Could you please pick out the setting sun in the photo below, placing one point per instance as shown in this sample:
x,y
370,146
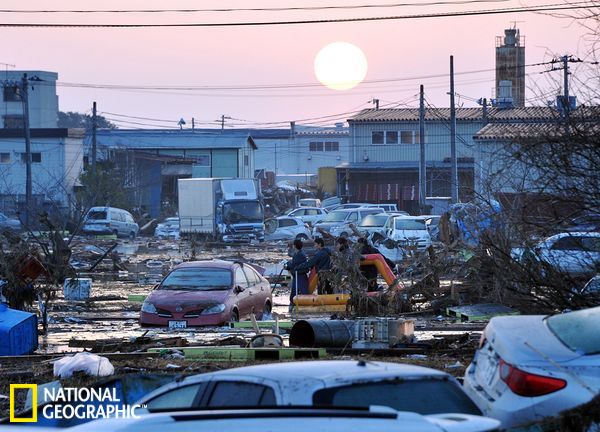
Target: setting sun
x,y
340,66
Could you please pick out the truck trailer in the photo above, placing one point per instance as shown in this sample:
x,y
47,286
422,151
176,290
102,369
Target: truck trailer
x,y
225,209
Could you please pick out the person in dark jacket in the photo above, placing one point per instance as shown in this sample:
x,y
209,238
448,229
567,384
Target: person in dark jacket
x,y
299,277
321,261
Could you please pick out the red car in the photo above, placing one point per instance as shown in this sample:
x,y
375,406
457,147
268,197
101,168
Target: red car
x,y
205,293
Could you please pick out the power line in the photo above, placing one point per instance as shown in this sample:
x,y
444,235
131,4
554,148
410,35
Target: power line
x,y
540,8
272,9
269,86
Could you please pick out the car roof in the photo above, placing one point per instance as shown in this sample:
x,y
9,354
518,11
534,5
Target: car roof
x,y
306,208
328,370
574,234
213,263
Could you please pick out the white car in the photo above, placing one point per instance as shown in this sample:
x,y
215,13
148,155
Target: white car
x,y
574,253
169,228
286,228
374,223
409,231
309,215
338,222
288,419
340,383
309,202
533,366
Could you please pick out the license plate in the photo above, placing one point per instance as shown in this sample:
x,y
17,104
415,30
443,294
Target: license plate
x,y
486,369
177,324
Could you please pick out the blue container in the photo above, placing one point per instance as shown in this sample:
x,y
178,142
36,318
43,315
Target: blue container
x,y
18,332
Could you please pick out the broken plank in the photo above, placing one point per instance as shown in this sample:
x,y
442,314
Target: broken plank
x,y
480,312
261,324
247,354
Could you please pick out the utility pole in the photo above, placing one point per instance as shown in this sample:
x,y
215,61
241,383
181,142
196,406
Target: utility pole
x,y
193,124
453,167
94,128
422,168
28,193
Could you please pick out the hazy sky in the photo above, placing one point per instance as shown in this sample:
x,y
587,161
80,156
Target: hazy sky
x,y
245,56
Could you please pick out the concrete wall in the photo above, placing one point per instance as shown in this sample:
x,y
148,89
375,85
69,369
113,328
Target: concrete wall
x,y
43,101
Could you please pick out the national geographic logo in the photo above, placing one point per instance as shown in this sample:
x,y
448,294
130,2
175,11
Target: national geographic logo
x,y
34,393
66,403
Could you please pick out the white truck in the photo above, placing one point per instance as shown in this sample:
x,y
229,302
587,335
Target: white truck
x,y
227,209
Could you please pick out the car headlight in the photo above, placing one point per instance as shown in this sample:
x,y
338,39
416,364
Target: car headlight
x,y
149,308
218,308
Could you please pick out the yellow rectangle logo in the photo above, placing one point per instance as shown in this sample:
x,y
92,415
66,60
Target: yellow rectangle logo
x,y
34,395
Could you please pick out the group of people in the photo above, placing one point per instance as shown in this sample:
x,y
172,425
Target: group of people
x,y
299,266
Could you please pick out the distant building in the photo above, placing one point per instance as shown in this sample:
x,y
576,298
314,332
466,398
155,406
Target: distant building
x,y
510,68
300,150
43,101
152,160
56,163
384,152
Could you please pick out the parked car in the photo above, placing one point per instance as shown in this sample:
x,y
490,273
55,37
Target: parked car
x,y
339,383
330,203
288,419
433,225
534,366
169,228
286,228
110,220
385,207
309,215
374,223
309,202
339,224
199,293
409,231
574,253
589,222
7,223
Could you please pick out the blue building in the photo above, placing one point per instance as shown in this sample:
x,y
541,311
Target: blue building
x,y
152,161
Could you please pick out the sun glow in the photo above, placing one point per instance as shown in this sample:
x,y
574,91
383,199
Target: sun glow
x,y
340,66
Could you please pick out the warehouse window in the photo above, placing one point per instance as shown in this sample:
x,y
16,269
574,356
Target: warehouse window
x,y
391,137
35,157
377,137
13,121
332,146
315,146
11,93
406,137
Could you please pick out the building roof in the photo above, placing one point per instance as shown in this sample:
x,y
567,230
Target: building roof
x,y
169,139
43,133
546,129
462,114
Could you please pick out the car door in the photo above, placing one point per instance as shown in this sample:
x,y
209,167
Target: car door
x,y
258,290
300,213
567,254
242,294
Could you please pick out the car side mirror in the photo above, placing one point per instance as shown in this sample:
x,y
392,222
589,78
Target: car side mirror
x,y
238,289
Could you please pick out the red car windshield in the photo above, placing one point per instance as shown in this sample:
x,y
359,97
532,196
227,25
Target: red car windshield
x,y
197,279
